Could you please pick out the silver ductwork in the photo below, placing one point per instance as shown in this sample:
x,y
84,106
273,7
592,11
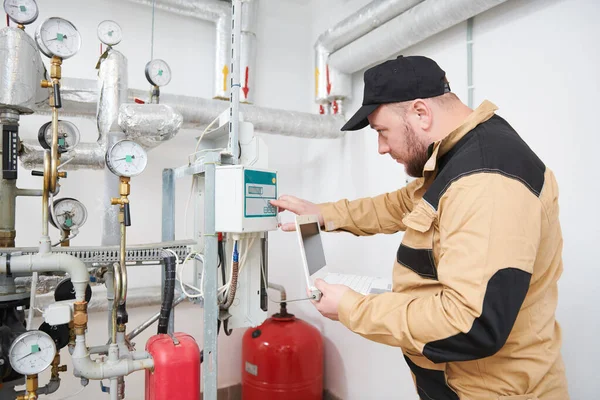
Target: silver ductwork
x,y
79,98
419,23
198,112
331,83
84,156
21,72
149,124
113,92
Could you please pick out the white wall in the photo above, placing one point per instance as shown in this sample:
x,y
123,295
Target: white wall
x,y
537,60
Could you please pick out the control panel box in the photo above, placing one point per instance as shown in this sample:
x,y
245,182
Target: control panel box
x,y
242,197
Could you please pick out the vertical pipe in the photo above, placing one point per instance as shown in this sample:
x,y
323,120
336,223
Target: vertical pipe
x,y
470,62
211,309
234,104
8,190
168,226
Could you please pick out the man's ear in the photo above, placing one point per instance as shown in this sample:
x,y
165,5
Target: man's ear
x,y
422,114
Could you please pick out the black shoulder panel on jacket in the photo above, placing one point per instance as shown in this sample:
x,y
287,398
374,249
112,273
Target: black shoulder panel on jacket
x,y
491,147
504,296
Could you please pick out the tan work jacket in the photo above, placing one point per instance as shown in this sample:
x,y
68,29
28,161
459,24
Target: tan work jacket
x,y
475,278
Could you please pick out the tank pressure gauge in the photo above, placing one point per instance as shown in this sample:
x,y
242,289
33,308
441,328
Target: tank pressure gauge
x,y
32,352
68,214
158,72
58,37
109,33
68,136
22,12
126,158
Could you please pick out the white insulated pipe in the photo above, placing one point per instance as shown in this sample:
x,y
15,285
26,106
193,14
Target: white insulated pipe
x,y
85,367
409,28
49,262
234,103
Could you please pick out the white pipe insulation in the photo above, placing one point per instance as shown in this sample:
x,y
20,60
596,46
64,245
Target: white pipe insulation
x,y
331,83
49,262
411,27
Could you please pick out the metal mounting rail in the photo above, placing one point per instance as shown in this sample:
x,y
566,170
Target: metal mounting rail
x,y
137,254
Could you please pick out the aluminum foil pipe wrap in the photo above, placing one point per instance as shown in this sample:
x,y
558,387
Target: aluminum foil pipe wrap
x,y
79,98
409,28
149,124
21,71
331,83
113,92
111,228
222,83
198,112
84,156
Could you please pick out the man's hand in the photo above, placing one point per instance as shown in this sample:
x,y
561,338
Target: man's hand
x,y
330,298
298,207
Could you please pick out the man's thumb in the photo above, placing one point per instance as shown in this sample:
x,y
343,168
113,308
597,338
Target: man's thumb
x,y
321,285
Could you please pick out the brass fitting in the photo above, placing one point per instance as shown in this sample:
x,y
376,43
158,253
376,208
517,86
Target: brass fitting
x,y
7,238
123,191
55,70
32,387
56,367
80,317
121,328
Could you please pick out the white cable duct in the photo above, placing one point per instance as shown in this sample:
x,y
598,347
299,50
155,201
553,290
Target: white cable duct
x,y
419,23
331,84
215,11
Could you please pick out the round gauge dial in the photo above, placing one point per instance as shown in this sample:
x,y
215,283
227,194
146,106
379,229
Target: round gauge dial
x,y
126,158
158,72
68,136
109,33
68,214
58,37
32,352
21,11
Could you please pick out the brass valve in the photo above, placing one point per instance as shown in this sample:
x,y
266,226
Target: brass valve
x,y
123,201
56,367
80,317
32,387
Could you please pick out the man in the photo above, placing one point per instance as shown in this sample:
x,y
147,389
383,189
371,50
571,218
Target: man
x,y
475,278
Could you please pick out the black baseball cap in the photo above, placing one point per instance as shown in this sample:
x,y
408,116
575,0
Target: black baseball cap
x,y
395,81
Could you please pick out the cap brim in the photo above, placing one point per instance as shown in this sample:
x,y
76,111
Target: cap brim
x,y
359,120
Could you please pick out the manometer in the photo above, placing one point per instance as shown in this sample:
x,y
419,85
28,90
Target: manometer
x,y
58,37
158,72
109,33
68,214
126,158
32,352
68,136
21,11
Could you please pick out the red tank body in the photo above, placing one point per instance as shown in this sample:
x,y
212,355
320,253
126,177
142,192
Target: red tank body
x,y
176,372
282,359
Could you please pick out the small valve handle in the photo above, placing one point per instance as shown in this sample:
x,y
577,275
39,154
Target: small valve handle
x,y
37,173
126,215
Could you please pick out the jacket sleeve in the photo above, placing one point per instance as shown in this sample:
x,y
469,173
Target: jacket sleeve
x,y
371,215
489,234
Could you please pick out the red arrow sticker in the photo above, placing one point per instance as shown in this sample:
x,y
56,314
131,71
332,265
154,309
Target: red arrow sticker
x,y
246,89
328,82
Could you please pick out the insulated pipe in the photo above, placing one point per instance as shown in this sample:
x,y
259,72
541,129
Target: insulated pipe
x,y
168,295
330,83
418,23
49,262
280,289
85,367
234,103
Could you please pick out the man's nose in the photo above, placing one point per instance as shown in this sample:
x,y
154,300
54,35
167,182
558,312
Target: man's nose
x,y
383,148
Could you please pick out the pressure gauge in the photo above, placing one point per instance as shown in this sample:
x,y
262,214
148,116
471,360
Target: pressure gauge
x,y
58,37
109,33
32,352
68,136
21,11
158,72
126,158
68,214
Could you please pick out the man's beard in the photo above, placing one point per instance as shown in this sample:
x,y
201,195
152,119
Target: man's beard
x,y
417,152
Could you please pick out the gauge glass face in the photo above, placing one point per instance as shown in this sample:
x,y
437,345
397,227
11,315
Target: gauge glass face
x,y
158,72
127,158
32,352
58,37
69,213
109,33
68,135
21,11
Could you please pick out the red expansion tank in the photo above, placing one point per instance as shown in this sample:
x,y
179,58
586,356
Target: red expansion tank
x,y
176,372
282,359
